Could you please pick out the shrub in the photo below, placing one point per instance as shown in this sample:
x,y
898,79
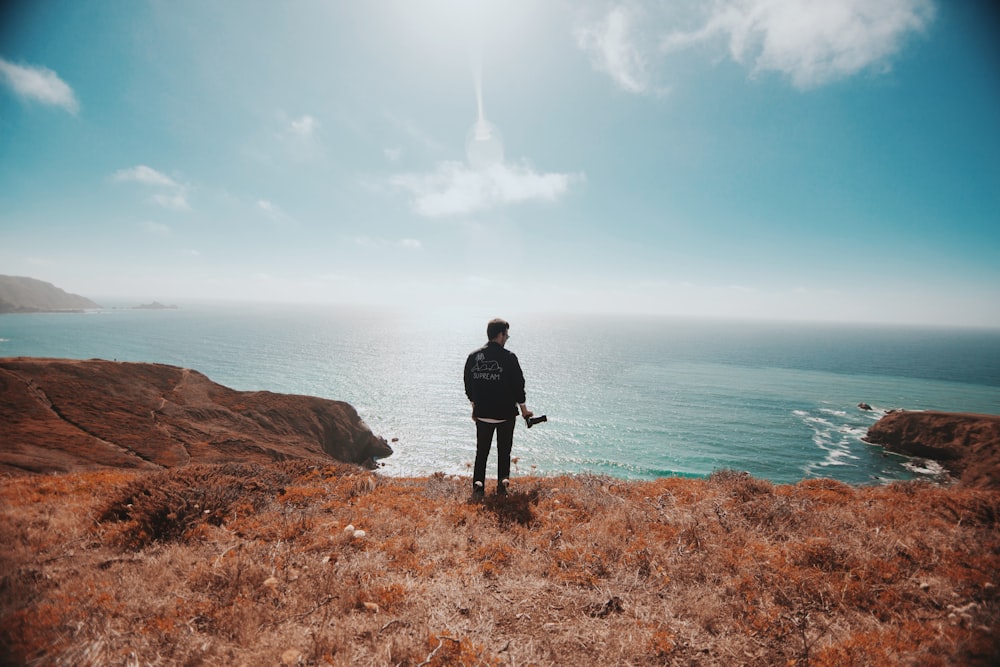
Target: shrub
x,y
576,570
165,506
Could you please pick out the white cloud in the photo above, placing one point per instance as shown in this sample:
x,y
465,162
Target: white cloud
x,y
172,195
456,189
39,84
176,201
611,45
300,137
273,211
414,132
304,127
145,175
376,242
154,227
811,41
393,154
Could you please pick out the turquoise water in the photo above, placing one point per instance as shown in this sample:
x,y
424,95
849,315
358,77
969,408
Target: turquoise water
x,y
628,397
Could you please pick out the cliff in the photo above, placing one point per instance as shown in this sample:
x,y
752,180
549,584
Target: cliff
x,y
59,415
28,295
967,445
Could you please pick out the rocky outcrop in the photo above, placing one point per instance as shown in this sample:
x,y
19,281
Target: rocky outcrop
x,y
59,415
28,295
155,305
967,445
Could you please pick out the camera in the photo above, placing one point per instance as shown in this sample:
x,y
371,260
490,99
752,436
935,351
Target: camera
x,y
535,420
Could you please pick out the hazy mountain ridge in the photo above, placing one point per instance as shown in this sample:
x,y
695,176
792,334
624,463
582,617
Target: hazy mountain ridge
x,y
20,294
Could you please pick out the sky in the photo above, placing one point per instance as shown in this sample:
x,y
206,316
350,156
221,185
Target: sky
x,y
829,160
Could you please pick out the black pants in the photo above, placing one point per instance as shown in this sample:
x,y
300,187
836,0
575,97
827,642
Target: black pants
x,y
505,442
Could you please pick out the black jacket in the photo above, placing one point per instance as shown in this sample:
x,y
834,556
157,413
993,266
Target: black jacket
x,y
494,382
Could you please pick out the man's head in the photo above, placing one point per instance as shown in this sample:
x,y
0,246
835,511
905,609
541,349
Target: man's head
x,y
497,329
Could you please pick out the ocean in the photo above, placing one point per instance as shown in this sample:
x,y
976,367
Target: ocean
x,y
629,397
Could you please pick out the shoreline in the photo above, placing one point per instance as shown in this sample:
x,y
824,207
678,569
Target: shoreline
x,y
149,401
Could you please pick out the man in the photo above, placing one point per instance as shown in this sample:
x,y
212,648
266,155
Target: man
x,y
494,384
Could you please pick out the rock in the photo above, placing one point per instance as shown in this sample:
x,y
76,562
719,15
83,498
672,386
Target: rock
x,y
864,406
62,415
967,445
612,606
156,305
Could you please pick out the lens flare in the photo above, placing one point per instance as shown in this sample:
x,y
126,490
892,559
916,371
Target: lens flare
x,y
483,145
483,142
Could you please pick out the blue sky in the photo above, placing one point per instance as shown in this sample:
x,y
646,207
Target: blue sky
x,y
780,159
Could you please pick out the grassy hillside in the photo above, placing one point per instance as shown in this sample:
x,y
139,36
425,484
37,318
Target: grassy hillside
x,y
252,565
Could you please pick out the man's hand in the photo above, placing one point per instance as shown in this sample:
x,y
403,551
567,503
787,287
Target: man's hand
x,y
526,413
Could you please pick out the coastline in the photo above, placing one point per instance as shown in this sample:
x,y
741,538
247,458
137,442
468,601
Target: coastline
x,y
967,445
261,556
76,403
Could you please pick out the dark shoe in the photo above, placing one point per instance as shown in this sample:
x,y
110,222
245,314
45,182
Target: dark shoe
x,y
478,491
502,487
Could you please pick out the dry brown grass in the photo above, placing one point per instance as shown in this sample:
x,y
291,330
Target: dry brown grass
x,y
251,565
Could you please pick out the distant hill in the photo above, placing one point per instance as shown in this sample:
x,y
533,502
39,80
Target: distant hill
x,y
28,295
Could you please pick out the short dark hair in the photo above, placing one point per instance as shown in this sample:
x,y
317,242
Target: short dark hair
x,y
496,326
